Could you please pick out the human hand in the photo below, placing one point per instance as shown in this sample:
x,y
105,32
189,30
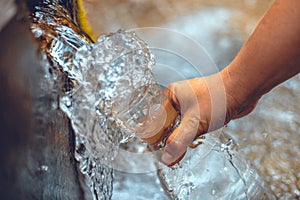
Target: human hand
x,y
205,104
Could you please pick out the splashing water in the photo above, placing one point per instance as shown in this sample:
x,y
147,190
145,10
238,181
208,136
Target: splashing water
x,y
213,170
115,93
59,37
107,89
104,88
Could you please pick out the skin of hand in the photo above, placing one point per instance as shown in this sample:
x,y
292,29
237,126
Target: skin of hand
x,y
195,99
270,56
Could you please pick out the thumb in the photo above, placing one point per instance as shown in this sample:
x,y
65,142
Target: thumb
x,y
180,139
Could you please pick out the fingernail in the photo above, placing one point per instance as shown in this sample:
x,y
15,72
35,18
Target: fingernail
x,y
167,158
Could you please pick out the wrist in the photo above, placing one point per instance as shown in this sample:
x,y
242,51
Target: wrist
x,y
241,95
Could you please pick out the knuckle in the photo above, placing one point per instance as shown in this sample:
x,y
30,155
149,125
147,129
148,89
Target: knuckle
x,y
176,147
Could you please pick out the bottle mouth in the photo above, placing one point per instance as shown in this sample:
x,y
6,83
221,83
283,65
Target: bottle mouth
x,y
148,114
161,125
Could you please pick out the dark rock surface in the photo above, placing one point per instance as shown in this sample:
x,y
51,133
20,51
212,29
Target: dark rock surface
x,y
37,141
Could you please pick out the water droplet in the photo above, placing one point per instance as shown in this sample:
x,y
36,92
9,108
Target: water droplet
x,y
265,134
213,192
43,168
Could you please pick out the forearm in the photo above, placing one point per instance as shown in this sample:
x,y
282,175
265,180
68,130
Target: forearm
x,y
270,56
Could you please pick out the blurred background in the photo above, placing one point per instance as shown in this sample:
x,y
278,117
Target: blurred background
x,y
269,137
214,24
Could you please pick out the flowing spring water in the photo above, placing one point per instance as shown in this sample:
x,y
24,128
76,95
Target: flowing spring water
x,y
113,94
95,82
59,37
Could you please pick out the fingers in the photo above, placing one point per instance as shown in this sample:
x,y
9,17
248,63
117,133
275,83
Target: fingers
x,y
183,98
169,92
188,98
180,139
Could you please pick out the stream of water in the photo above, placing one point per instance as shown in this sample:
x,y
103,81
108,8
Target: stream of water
x,y
60,38
103,87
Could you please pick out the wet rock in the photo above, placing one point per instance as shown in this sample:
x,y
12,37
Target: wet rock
x,y
37,141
